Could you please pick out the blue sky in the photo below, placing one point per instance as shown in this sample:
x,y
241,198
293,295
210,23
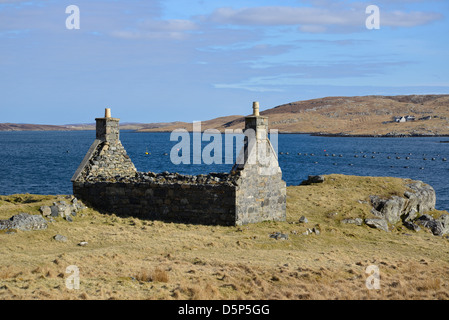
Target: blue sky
x,y
179,60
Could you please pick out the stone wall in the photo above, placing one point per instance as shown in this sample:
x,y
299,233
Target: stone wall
x,y
252,192
260,197
109,160
168,197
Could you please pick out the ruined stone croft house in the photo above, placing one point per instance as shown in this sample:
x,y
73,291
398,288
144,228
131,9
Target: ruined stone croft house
x,y
252,192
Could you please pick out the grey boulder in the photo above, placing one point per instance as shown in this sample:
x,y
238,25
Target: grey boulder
x,y
378,224
24,222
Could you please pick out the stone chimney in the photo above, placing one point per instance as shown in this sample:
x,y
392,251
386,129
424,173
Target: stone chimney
x,y
256,144
262,192
106,156
257,123
108,127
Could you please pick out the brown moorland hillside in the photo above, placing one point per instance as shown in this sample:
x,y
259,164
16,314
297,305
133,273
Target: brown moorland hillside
x,y
352,116
217,123
30,127
365,115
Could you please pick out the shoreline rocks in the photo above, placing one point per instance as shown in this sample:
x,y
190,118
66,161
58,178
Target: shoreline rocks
x,y
411,210
378,224
63,209
439,226
420,199
312,179
25,222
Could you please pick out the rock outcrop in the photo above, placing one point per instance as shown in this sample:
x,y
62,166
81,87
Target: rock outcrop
x,y
411,209
439,226
378,224
313,179
24,222
27,222
419,199
62,209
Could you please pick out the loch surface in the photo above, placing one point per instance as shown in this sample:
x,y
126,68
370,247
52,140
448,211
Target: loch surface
x,y
42,162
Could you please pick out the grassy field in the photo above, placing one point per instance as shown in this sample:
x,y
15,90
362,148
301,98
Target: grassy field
x,y
128,258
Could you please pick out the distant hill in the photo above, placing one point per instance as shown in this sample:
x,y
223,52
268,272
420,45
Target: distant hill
x,y
366,115
217,123
30,127
73,127
353,116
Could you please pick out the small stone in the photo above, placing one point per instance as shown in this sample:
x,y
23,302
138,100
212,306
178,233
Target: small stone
x,y
275,278
54,211
356,221
60,238
425,217
412,226
64,211
444,219
69,218
45,210
279,236
438,229
283,236
303,220
411,215
313,179
427,221
83,243
332,214
377,223
316,231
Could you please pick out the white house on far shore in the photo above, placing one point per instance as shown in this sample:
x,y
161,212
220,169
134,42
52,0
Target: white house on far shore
x,y
404,118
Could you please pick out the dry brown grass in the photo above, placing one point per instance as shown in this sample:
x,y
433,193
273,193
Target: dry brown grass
x,y
156,275
128,258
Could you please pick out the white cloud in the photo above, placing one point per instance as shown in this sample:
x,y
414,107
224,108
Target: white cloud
x,y
149,35
174,25
158,29
316,19
11,1
312,28
408,19
247,87
277,15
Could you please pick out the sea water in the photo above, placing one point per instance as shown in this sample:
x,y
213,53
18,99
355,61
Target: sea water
x,y
43,162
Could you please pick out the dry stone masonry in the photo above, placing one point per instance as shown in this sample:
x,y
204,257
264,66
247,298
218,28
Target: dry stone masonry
x,y
252,192
106,157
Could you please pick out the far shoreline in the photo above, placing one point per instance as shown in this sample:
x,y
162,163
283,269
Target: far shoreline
x,y
333,135
314,134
